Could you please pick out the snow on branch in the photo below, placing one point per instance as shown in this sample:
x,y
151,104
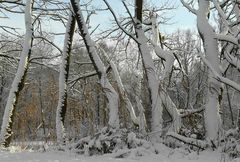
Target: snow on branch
x,y
219,77
188,7
158,50
75,80
118,23
50,42
227,38
221,13
232,60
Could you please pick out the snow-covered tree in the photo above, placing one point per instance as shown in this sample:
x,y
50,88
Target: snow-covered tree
x,y
111,94
213,55
121,88
63,79
157,93
206,32
150,70
18,82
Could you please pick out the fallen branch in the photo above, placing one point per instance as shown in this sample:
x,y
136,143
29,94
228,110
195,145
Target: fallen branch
x,y
186,113
190,141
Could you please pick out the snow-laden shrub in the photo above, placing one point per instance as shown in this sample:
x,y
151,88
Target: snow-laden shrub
x,y
193,126
195,133
120,142
230,144
105,141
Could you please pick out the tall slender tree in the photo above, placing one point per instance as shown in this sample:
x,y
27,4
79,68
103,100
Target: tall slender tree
x,y
214,95
18,82
206,32
63,78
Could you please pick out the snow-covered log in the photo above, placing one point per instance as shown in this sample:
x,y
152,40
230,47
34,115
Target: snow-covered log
x,y
63,78
184,113
18,82
112,95
194,142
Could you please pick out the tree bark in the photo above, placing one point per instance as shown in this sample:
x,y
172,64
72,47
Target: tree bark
x,y
63,78
18,82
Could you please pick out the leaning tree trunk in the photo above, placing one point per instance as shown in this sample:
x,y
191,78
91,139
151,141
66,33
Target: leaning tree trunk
x,y
112,95
63,78
152,80
121,88
18,82
212,117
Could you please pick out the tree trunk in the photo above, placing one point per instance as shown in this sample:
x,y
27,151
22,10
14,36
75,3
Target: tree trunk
x,y
42,109
212,117
121,88
169,58
150,70
18,82
112,96
63,78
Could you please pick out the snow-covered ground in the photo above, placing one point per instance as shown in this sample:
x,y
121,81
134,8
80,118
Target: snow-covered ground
x,y
167,155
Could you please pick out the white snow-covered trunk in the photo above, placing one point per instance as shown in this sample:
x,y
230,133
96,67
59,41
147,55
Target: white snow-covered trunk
x,y
172,110
168,63
112,95
141,116
63,78
212,117
122,90
166,99
18,82
152,80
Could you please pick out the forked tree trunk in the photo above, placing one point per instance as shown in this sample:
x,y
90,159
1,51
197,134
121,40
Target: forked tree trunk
x,y
111,94
63,78
212,117
18,82
169,58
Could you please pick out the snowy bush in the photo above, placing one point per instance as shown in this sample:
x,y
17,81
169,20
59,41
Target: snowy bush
x,y
105,141
120,142
230,144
